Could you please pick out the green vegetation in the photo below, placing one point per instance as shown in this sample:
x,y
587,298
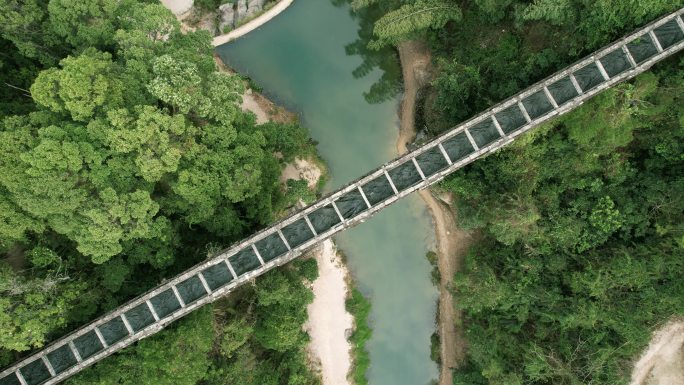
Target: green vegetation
x,y
359,307
252,337
581,220
433,259
582,259
124,158
406,19
435,346
176,355
497,49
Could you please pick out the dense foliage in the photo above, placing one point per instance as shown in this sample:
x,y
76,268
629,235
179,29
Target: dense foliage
x,y
501,47
382,59
359,307
125,158
404,19
581,249
253,337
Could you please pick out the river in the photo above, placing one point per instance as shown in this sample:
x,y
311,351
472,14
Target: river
x,y
299,60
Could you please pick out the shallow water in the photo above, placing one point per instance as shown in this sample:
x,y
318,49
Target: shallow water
x,y
299,59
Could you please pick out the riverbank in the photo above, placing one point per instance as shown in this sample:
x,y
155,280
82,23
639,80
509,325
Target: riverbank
x,y
452,242
314,74
262,107
329,322
183,10
252,24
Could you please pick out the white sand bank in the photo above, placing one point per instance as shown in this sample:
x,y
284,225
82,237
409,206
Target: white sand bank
x,y
328,317
302,169
249,103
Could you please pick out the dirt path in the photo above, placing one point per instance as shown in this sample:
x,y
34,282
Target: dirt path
x,y
663,361
452,243
415,67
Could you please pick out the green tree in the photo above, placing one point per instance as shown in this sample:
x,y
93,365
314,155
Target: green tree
x,y
33,306
412,18
554,301
456,89
85,85
128,156
86,23
176,355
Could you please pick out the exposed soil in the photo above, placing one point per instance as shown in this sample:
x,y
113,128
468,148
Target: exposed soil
x,y
452,242
267,108
302,169
415,66
255,102
178,7
249,103
663,361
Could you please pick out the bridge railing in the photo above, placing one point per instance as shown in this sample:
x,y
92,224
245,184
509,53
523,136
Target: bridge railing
x,y
351,204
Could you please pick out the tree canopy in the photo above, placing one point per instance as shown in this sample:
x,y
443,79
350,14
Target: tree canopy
x,y
124,155
579,246
582,249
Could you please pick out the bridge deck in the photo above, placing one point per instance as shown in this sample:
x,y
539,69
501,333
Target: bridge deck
x,y
287,239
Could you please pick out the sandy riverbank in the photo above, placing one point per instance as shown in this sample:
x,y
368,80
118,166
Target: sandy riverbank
x,y
329,320
328,317
255,102
452,242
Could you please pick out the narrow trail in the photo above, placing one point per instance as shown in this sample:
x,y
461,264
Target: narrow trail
x,y
452,242
662,363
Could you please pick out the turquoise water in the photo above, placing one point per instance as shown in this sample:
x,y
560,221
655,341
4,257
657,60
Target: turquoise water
x,y
299,59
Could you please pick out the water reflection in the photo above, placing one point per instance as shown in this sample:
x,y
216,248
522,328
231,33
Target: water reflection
x,y
389,85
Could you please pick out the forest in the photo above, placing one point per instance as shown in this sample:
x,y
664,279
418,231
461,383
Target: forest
x,y
581,247
125,159
580,242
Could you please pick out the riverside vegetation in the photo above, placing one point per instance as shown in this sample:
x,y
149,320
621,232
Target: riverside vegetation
x,y
581,244
359,307
125,159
